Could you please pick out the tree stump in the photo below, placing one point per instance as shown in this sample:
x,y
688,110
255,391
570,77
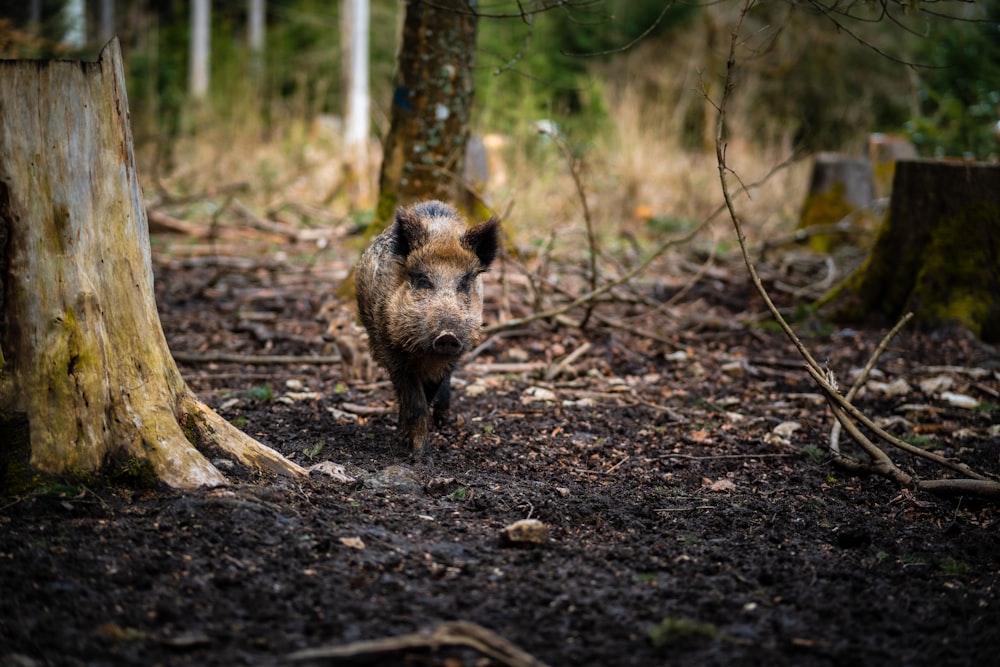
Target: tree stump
x,y
83,359
884,151
937,254
841,191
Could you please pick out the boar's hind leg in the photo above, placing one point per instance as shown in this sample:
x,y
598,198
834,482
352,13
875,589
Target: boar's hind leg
x,y
439,397
414,414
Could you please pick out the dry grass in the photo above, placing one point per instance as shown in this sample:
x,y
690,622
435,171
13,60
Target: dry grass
x,y
634,171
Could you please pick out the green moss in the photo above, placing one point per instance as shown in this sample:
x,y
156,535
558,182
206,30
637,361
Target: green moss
x,y
825,208
189,427
672,630
134,472
16,474
951,278
959,278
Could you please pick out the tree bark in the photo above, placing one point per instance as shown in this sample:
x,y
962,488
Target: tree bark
x,y
83,358
200,49
356,22
937,253
432,99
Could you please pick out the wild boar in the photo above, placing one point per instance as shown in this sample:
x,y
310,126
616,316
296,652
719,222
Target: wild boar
x,y
420,296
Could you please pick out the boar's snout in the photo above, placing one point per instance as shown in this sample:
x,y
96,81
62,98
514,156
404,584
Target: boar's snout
x,y
448,343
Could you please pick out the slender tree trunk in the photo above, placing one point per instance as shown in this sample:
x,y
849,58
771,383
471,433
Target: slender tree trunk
x,y
358,103
106,29
83,359
198,67
255,37
431,103
75,21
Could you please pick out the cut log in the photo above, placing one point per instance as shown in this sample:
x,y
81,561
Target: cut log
x,y
84,362
937,254
841,191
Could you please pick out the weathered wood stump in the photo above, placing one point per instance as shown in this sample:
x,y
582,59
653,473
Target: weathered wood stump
x,y
841,190
84,365
937,253
884,151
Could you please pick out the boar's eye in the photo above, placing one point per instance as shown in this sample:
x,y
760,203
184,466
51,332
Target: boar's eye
x,y
420,280
465,284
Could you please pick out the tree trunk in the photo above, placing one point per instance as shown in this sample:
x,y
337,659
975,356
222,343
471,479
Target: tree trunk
x,y
937,254
83,359
432,99
354,30
201,40
256,25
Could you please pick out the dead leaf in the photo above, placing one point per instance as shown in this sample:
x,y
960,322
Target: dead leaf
x,y
353,542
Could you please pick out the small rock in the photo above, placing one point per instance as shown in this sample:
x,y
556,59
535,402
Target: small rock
x,y
538,394
398,478
441,486
936,384
525,532
342,415
294,385
477,388
331,469
585,402
353,542
719,485
733,368
898,387
786,429
959,400
228,403
302,395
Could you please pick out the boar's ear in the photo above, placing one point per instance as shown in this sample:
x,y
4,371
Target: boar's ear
x,y
410,233
483,240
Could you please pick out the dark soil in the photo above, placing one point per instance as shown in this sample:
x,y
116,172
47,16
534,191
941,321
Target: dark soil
x,y
684,527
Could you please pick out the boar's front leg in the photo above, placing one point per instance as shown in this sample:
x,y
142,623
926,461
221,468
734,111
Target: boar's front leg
x,y
414,413
439,396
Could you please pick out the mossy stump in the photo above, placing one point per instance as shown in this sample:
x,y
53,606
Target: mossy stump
x,y
841,190
937,253
86,378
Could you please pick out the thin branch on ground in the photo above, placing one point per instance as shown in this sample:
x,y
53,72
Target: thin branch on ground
x,y
452,633
863,377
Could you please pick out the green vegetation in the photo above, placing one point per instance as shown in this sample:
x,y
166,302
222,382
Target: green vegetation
x,y
569,64
314,452
264,393
814,453
959,91
672,630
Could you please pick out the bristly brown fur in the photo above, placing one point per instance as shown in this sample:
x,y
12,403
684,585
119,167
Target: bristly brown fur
x,y
420,297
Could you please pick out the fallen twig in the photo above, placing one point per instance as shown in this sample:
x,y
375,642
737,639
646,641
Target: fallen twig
x,y
251,359
452,633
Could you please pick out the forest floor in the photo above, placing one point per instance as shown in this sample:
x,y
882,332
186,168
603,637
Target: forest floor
x,y
678,463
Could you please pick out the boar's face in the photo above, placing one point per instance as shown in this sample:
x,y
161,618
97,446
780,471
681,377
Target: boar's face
x,y
437,307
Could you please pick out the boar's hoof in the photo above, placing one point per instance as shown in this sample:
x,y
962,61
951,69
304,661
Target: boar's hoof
x,y
448,343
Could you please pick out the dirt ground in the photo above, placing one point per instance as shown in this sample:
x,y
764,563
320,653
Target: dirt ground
x,y
677,463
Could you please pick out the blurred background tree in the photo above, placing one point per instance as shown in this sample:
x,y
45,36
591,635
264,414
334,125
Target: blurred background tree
x,y
817,76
